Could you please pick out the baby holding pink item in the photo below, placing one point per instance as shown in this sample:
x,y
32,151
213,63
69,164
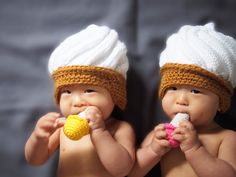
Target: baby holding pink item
x,y
197,69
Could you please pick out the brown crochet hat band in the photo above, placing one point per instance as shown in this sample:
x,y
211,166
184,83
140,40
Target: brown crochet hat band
x,y
184,74
109,79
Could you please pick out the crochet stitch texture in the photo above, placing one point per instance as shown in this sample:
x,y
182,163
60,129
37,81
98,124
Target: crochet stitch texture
x,y
75,127
184,74
111,80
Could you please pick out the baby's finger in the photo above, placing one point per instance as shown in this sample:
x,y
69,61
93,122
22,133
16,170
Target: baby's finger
x,y
93,117
165,143
91,110
160,135
53,114
50,117
179,137
186,124
41,133
47,124
59,122
159,127
179,130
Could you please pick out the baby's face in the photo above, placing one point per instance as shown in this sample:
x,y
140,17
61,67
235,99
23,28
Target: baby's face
x,y
75,99
200,104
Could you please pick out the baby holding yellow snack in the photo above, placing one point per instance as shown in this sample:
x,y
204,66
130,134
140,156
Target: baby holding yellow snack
x,y
89,73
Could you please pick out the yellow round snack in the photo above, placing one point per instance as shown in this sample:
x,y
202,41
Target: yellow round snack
x,y
75,127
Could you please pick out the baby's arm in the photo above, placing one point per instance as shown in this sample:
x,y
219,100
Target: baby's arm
x,y
196,153
116,152
44,139
154,146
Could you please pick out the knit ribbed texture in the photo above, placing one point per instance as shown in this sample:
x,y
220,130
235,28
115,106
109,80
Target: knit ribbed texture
x,y
92,46
109,79
184,74
75,127
202,46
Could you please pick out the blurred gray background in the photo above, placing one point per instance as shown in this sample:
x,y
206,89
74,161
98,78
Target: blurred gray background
x,y
31,29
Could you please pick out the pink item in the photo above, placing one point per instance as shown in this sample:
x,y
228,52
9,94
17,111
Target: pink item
x,y
169,129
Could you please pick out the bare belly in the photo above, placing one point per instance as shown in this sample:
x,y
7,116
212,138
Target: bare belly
x,y
79,158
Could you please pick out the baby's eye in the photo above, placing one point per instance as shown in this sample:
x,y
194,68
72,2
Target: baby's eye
x,y
66,91
89,91
172,88
195,91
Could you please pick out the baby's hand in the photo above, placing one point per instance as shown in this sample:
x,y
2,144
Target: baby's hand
x,y
170,127
48,124
186,134
160,144
94,117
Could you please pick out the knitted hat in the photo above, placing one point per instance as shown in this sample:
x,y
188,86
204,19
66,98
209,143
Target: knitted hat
x,y
202,57
92,56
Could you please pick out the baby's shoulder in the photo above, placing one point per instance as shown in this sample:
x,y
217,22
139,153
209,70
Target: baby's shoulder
x,y
115,126
227,148
112,122
217,137
228,135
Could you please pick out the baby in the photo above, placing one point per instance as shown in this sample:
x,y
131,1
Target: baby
x,y
198,74
89,72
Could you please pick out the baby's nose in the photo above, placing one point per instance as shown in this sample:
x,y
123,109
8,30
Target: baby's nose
x,y
78,100
182,99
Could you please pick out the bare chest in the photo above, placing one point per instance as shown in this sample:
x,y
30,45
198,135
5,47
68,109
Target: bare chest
x,y
79,158
175,164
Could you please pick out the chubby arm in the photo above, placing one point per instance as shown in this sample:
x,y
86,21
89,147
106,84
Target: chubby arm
x,y
149,154
196,153
115,150
44,139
